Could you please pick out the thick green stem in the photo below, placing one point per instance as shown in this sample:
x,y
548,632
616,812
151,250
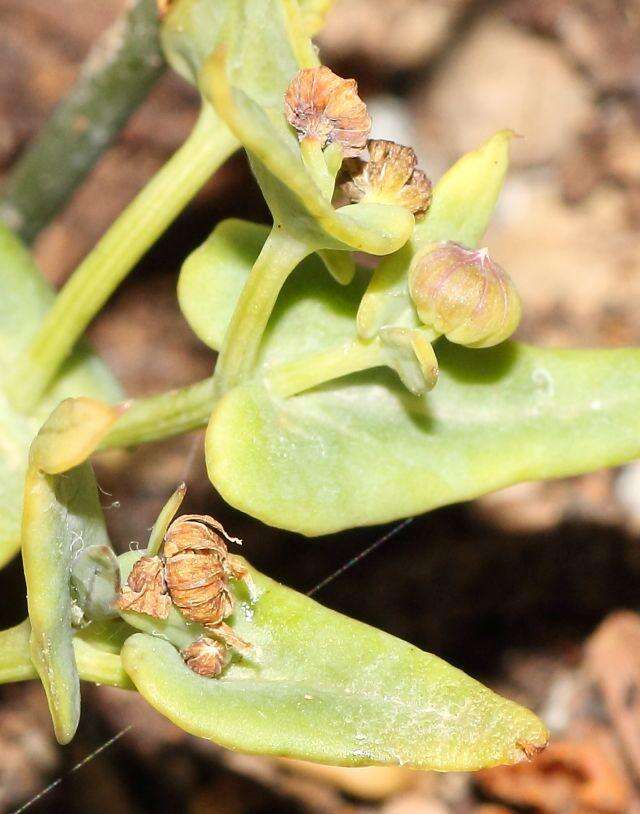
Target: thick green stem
x,y
279,256
137,228
321,168
93,664
163,416
117,75
317,368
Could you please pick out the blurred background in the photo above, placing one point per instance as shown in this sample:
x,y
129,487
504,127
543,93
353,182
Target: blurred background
x,y
532,589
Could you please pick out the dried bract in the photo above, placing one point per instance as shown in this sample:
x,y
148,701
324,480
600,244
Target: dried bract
x,y
163,7
390,176
146,590
464,295
323,106
206,657
198,568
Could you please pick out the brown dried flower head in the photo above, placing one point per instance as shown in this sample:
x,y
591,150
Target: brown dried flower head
x,y
163,7
146,590
206,657
323,106
198,568
390,176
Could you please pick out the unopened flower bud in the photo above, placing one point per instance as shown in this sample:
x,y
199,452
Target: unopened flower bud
x,y
390,176
464,295
323,106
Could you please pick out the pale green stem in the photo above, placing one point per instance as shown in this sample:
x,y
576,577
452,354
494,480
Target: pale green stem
x,y
93,664
317,368
165,518
279,257
163,416
137,228
316,165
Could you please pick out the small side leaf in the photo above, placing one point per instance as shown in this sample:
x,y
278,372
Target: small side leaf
x,y
26,297
61,516
319,686
164,519
318,312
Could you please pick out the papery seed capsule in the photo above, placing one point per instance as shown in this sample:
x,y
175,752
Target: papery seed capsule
x,y
145,590
206,657
389,176
323,106
198,568
464,295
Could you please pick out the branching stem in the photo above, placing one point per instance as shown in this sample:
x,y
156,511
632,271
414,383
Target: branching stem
x,y
314,369
279,256
136,229
118,73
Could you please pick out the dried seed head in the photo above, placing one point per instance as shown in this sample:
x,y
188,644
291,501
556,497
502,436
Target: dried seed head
x,y
163,7
146,590
194,531
206,657
323,106
390,176
198,568
464,295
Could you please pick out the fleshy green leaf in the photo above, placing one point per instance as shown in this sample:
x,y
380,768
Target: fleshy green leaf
x,y
26,298
320,686
61,516
363,451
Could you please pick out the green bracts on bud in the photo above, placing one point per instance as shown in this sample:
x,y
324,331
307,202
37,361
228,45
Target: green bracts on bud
x,y
464,295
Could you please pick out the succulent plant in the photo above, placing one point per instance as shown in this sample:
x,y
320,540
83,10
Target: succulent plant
x,y
341,397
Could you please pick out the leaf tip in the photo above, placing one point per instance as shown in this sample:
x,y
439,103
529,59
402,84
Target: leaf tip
x,y
531,749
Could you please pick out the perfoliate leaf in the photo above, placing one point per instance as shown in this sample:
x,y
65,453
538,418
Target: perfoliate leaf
x,y
319,686
362,450
25,299
496,417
